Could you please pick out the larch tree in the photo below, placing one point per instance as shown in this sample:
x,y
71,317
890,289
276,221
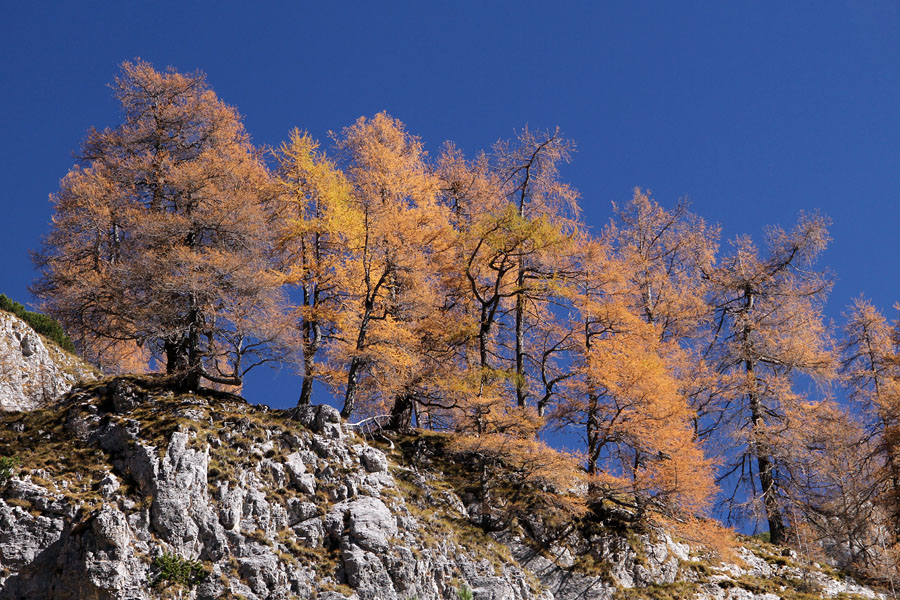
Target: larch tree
x,y
514,236
624,394
159,236
388,281
829,483
528,170
499,255
481,280
309,218
770,328
669,253
869,367
870,370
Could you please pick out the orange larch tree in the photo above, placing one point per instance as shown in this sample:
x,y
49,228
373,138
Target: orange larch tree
x,y
637,422
669,254
770,329
828,483
528,170
869,367
309,217
514,222
159,236
395,230
870,370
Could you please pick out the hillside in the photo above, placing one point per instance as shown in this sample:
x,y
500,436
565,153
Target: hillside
x,y
34,370
129,490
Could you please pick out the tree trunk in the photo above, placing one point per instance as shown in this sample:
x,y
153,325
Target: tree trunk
x,y
357,363
401,413
761,451
180,364
484,480
484,331
352,381
312,335
593,436
305,391
770,499
173,357
191,380
766,468
593,422
521,389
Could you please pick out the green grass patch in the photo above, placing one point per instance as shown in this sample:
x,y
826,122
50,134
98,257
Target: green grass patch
x,y
175,570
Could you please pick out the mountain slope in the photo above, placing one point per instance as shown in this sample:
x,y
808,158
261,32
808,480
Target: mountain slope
x,y
128,490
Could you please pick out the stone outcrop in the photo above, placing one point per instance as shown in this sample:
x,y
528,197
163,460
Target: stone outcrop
x,y
33,372
120,481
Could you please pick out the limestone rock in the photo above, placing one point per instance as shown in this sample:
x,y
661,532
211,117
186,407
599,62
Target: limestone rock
x,y
371,523
374,460
288,505
33,372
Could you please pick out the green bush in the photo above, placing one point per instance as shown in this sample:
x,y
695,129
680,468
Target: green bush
x,y
46,326
176,570
9,466
463,592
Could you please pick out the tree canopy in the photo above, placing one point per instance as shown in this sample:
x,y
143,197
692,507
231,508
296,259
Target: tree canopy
x,y
159,240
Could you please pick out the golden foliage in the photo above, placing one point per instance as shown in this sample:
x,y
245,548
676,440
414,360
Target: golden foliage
x,y
466,295
771,328
159,236
520,476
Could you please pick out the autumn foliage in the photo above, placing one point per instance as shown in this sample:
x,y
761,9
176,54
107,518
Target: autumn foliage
x,y
158,244
464,294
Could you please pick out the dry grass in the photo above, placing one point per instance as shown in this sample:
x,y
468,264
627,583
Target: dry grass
x,y
56,459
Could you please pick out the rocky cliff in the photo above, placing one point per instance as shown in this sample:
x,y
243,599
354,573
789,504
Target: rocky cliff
x,y
127,490
33,371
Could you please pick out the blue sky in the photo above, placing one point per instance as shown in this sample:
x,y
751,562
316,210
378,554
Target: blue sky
x,y
753,111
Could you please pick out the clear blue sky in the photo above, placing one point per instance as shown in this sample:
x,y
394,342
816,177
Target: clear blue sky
x,y
754,111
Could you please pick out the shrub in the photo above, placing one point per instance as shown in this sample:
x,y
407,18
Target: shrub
x,y
463,592
9,465
762,536
41,323
176,570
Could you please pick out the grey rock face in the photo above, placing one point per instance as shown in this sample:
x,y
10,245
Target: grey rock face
x,y
240,494
287,505
322,419
33,373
